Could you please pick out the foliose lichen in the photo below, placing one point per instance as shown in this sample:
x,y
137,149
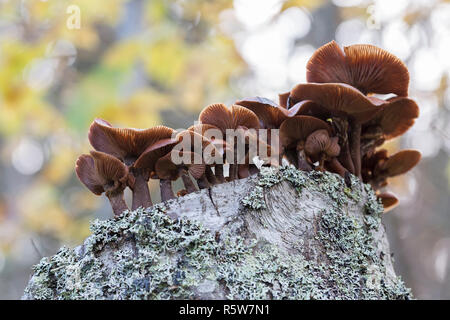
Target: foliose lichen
x,y
144,254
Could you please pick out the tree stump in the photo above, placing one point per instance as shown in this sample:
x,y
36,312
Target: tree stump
x,y
281,234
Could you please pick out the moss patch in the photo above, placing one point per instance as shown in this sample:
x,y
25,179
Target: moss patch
x,y
144,254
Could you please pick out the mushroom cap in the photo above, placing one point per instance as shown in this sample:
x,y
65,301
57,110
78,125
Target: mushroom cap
x,y
399,163
252,139
338,98
310,108
269,113
365,67
209,132
396,117
298,128
224,118
198,143
283,99
101,172
124,143
319,142
166,169
202,128
388,200
370,161
243,117
148,158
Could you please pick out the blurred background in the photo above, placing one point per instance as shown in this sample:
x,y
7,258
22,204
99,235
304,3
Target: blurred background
x,y
141,63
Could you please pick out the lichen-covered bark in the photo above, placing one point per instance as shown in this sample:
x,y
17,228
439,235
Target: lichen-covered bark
x,y
283,234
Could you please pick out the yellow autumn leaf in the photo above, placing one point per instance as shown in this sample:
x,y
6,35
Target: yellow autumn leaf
x,y
123,54
166,60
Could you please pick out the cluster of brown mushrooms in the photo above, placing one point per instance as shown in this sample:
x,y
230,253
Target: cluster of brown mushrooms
x,y
334,122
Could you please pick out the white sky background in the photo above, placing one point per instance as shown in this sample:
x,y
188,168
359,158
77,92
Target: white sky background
x,y
267,39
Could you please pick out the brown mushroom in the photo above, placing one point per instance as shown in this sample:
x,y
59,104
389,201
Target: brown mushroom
x,y
236,117
395,165
228,118
270,114
348,106
213,135
143,167
283,99
320,147
397,115
167,171
366,67
310,108
293,134
100,172
388,200
254,147
128,145
370,161
193,142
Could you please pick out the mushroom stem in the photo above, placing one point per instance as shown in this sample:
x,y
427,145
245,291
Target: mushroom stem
x,y
335,166
117,202
219,172
187,181
368,146
290,156
210,176
244,171
141,193
302,164
253,169
346,159
203,182
166,190
233,172
355,147
320,167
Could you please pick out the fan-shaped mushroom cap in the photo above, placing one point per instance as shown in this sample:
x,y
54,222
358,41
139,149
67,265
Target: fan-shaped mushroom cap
x,y
148,158
399,163
310,108
395,117
388,200
366,67
242,117
319,142
194,142
217,115
124,143
224,118
211,133
166,169
202,128
269,113
283,99
338,98
298,128
372,160
100,172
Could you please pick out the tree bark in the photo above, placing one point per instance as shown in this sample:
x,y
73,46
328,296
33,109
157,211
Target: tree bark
x,y
281,234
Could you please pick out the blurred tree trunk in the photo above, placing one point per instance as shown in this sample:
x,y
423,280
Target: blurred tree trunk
x,y
280,234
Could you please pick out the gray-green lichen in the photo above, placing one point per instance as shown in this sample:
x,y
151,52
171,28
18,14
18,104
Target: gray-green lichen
x,y
144,254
